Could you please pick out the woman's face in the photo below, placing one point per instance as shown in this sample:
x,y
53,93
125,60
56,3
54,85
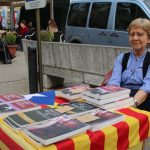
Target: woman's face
x,y
21,24
138,39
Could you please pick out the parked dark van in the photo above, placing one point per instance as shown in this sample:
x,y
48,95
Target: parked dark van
x,y
103,22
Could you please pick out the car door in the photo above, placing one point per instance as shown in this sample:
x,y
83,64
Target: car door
x,y
125,13
98,21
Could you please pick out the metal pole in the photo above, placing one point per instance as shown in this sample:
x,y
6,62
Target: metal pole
x,y
12,26
32,70
40,77
52,9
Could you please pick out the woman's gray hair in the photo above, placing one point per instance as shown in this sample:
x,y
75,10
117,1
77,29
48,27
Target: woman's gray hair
x,y
142,23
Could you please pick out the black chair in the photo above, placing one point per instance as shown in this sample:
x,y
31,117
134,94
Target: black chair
x,y
31,35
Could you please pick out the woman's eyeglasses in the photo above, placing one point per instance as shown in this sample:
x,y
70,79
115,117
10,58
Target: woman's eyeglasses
x,y
138,34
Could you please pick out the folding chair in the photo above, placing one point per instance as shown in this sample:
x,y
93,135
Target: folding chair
x,y
106,78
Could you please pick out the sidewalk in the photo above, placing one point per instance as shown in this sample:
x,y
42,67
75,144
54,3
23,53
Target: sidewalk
x,y
14,77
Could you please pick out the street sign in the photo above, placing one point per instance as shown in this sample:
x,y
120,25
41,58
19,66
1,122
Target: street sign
x,y
35,4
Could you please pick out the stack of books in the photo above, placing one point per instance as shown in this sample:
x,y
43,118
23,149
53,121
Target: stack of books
x,y
109,97
72,93
64,127
22,119
55,130
45,126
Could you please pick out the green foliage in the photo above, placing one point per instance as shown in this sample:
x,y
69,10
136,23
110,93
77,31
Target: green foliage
x,y
46,35
10,39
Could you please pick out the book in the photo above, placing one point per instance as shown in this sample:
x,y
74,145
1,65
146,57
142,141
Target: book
x,y
80,107
22,119
72,93
106,92
56,130
120,107
10,123
123,102
104,101
101,119
15,120
6,108
25,104
10,97
13,107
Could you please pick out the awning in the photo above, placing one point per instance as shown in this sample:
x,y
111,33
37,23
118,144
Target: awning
x,y
11,2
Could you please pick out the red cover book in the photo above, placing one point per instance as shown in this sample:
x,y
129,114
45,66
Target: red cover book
x,y
106,92
11,97
113,88
25,104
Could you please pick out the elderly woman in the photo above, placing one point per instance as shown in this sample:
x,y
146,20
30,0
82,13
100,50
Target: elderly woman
x,y
132,70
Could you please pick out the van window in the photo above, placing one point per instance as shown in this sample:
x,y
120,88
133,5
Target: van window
x,y
99,15
147,2
125,13
78,14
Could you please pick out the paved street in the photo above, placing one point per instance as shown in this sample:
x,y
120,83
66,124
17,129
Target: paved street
x,y
14,77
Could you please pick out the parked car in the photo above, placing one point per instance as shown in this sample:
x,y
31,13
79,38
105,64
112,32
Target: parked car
x,y
103,22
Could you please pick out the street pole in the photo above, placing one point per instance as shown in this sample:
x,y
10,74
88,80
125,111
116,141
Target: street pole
x,y
40,77
52,9
12,26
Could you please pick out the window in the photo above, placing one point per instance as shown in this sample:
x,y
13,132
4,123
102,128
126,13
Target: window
x,y
125,13
78,14
147,2
99,15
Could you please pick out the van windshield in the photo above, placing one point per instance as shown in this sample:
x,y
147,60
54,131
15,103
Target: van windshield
x,y
147,2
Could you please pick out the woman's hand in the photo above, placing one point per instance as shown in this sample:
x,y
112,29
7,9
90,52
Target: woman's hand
x,y
140,97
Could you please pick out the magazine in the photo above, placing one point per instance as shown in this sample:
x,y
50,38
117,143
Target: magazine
x,y
56,130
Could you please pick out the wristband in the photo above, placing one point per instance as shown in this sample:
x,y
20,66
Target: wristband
x,y
136,102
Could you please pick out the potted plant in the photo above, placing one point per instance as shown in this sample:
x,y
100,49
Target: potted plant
x,y
46,36
10,41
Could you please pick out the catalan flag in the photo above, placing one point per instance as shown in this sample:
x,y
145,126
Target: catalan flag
x,y
121,136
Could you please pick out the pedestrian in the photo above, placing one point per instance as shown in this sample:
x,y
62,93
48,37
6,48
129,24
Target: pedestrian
x,y
52,27
132,70
1,27
23,29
